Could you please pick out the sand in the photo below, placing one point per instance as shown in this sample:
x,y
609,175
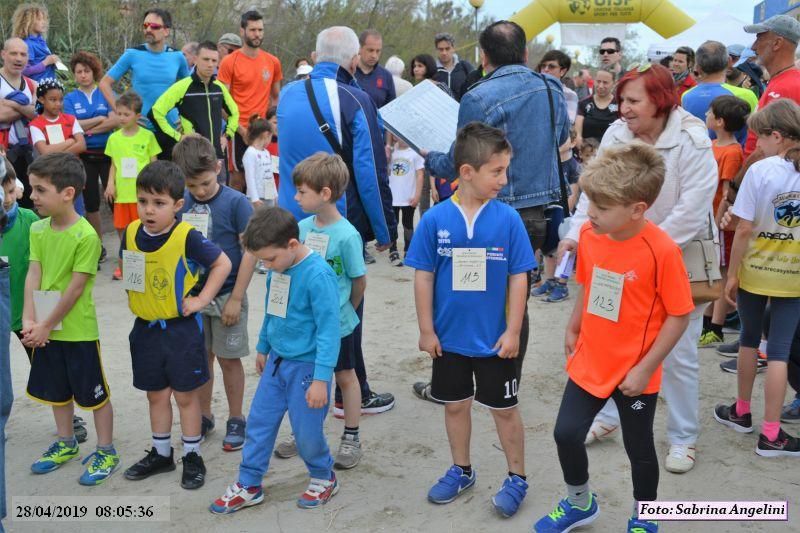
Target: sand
x,y
405,449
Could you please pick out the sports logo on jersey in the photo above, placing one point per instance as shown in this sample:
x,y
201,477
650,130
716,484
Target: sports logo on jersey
x,y
160,284
638,405
98,391
787,209
401,167
443,234
265,74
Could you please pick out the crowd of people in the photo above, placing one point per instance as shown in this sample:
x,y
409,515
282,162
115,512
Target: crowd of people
x,y
677,182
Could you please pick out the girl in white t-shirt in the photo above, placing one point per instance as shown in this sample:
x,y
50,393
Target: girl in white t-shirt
x,y
258,171
765,267
406,173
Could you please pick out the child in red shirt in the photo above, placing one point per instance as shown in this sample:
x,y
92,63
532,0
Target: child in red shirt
x,y
632,306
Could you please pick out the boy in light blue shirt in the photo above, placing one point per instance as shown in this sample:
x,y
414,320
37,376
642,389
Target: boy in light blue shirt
x,y
297,351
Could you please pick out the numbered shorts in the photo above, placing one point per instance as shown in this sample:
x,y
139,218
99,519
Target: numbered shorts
x,y
227,342
67,371
168,353
491,380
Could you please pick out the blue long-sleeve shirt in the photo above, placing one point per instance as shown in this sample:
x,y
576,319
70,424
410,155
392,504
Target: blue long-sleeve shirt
x,y
310,331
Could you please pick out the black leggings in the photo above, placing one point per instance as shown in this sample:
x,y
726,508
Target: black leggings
x,y
575,416
408,225
97,166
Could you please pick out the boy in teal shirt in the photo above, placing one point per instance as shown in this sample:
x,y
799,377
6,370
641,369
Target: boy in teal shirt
x,y
59,322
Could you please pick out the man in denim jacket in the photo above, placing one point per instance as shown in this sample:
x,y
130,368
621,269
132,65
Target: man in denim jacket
x,y
514,98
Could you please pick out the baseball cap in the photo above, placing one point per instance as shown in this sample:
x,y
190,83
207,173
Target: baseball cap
x,y
735,49
746,54
303,70
783,25
231,39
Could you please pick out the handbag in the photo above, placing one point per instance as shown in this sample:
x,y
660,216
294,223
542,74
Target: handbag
x,y
702,266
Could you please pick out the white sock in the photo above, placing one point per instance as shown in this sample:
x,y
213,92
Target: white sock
x,y
161,442
191,444
763,346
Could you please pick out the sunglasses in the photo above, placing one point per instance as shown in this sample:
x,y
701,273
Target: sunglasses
x,y
153,26
607,51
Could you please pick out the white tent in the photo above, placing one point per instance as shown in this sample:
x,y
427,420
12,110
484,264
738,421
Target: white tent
x,y
718,26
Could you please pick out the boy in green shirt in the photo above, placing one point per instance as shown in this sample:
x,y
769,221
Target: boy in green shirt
x,y
59,322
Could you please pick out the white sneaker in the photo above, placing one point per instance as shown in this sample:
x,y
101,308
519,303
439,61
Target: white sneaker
x,y
681,458
600,431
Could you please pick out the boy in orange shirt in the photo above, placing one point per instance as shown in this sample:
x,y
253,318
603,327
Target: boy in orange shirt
x,y
726,115
632,306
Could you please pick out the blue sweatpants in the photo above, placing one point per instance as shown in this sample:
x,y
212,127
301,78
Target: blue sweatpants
x,y
283,387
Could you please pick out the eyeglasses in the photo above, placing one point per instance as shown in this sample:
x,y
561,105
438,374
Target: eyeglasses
x,y
607,51
549,66
152,26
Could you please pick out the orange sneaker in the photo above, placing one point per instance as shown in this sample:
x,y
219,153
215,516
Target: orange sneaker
x,y
117,275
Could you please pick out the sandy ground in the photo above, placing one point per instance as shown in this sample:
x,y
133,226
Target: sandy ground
x,y
405,450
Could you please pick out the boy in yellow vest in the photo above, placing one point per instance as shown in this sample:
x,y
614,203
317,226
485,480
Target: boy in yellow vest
x,y
161,259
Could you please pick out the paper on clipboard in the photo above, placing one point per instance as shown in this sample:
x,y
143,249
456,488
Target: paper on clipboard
x,y
424,117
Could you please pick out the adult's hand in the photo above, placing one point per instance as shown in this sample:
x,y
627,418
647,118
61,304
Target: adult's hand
x,y
566,245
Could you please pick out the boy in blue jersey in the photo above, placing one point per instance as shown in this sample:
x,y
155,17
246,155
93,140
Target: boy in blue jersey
x,y
320,181
472,253
297,351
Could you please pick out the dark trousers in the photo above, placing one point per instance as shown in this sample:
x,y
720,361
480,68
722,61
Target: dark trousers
x,y
21,156
636,413
361,370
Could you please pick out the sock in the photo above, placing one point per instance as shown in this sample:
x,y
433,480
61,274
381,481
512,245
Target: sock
x,y
763,346
108,448
512,474
351,432
191,444
578,495
70,441
716,328
770,429
742,407
706,323
467,470
161,444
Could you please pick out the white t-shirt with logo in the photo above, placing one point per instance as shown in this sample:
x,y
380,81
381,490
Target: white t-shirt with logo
x,y
258,174
770,197
403,175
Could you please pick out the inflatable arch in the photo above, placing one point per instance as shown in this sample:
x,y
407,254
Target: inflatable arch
x,y
660,15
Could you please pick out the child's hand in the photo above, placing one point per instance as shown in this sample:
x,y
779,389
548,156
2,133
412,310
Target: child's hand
x,y
231,311
570,340
731,288
414,201
111,192
192,304
429,342
635,382
317,394
507,345
37,336
434,194
261,362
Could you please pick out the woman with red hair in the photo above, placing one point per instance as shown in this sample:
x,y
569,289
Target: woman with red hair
x,y
649,113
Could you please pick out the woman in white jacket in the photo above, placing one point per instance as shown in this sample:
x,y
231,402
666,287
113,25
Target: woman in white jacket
x,y
649,113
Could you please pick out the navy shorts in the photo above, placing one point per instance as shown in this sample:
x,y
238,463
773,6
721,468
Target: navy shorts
x,y
347,354
66,371
555,216
170,353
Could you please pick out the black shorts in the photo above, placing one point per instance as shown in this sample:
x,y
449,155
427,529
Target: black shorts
x,y
170,356
347,354
236,150
97,166
66,371
491,380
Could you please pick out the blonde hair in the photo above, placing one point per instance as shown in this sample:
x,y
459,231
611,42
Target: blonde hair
x,y
322,170
24,17
783,116
624,175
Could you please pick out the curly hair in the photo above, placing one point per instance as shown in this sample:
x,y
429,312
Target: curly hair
x,y
87,59
25,17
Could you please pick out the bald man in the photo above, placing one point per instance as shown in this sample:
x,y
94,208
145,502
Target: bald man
x,y
17,99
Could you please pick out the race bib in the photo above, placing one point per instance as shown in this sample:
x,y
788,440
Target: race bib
x,y
198,221
43,304
132,271
278,299
318,242
605,294
469,269
55,134
130,167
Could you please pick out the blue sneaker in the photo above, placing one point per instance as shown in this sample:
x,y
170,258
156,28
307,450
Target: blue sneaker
x,y
791,412
451,485
565,517
642,526
102,465
559,293
56,455
510,496
545,288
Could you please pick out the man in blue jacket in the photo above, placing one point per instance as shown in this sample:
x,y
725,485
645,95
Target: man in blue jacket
x,y
515,99
351,118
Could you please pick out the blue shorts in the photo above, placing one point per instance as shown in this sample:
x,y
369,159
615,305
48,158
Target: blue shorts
x,y
347,354
555,216
67,371
170,353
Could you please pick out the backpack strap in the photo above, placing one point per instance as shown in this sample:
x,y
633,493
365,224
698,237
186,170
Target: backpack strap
x,y
562,182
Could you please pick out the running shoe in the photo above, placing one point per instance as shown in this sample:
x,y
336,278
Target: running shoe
x,y
318,493
151,464
79,429
729,350
785,444
237,497
566,517
103,254
207,426
791,412
642,526
681,458
510,496
731,366
727,416
372,404
451,485
709,339
117,275
545,288
194,471
349,453
732,323
102,465
369,258
234,434
394,259
422,390
600,431
559,293
286,448
56,455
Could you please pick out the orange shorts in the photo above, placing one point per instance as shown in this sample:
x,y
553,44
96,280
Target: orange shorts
x,y
124,214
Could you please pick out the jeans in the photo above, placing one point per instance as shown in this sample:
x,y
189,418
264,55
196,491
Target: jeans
x,y
6,393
